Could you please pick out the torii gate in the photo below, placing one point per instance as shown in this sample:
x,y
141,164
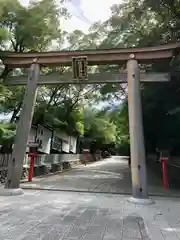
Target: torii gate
x,y
132,57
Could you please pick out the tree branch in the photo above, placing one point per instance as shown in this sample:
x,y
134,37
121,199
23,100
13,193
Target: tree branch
x,y
53,95
171,8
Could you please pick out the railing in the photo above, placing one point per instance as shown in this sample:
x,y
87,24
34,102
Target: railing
x,y
48,159
173,169
44,163
42,160
4,158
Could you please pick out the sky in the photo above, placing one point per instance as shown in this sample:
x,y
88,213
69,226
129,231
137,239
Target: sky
x,y
84,13
93,10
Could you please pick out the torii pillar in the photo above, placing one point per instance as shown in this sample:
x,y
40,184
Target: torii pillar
x,y
15,165
138,158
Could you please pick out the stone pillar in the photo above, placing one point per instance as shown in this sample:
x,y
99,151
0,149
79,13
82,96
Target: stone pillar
x,y
23,129
138,159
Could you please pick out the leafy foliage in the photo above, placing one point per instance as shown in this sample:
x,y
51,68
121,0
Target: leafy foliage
x,y
7,134
149,23
32,28
99,127
132,23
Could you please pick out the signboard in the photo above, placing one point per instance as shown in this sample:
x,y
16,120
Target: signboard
x,y
33,144
79,67
33,147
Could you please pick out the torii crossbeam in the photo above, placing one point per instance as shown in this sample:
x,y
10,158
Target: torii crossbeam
x,y
94,78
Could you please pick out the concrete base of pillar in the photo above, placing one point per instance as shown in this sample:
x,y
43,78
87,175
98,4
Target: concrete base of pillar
x,y
11,192
141,201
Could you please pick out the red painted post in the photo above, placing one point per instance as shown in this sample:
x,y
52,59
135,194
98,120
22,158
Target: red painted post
x,y
31,169
165,174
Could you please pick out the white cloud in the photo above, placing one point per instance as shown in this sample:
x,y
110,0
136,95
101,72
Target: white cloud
x,y
24,2
94,10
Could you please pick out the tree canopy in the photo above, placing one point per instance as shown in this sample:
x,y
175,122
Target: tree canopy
x,y
132,23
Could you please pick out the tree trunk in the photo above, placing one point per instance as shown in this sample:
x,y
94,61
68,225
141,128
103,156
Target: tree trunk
x,y
15,113
5,73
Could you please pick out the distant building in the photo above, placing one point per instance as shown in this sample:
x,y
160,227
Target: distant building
x,y
52,141
73,144
56,143
43,138
32,136
49,140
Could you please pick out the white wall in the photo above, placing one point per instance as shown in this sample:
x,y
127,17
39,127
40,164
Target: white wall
x,y
73,144
44,136
65,141
31,137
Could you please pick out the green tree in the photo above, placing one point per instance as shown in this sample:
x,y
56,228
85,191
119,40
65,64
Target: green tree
x,y
148,23
7,134
99,127
31,28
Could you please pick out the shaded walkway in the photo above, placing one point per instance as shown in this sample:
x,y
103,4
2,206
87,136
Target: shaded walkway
x,y
108,176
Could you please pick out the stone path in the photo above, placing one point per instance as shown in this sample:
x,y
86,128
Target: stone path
x,y
48,215
88,206
109,176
